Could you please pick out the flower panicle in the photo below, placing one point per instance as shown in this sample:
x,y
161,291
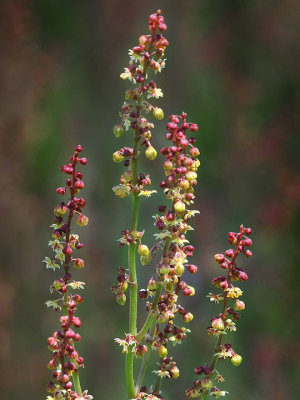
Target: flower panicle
x,y
65,360
147,56
173,224
226,320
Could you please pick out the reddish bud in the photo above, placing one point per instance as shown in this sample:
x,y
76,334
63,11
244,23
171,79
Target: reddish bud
x,y
74,355
64,378
192,268
76,322
77,337
189,291
68,385
67,250
229,253
78,263
243,276
188,317
82,220
79,184
219,258
83,161
61,191
194,127
218,323
239,305
70,334
77,298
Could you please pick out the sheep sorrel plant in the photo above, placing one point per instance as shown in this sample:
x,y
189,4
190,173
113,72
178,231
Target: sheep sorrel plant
x,y
166,319
65,361
166,284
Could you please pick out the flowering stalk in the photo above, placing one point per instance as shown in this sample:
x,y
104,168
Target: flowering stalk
x,y
167,284
148,54
225,321
65,360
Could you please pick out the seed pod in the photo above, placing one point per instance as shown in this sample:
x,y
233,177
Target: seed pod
x,y
236,360
158,113
151,153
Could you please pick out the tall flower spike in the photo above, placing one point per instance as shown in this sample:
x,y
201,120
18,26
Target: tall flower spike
x,y
226,320
65,360
167,285
147,56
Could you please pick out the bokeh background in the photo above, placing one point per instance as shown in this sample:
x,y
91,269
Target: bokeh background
x,y
234,67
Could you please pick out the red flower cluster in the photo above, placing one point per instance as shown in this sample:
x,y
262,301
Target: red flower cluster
x,y
224,321
147,55
65,360
62,345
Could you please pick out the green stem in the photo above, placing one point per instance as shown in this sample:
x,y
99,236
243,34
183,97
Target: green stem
x,y
129,374
66,294
151,315
132,248
204,395
132,273
157,385
145,362
133,290
76,382
215,356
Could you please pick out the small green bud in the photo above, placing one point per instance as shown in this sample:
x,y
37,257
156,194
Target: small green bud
x,y
184,184
236,360
143,250
169,286
151,153
127,176
158,113
124,286
179,269
146,259
118,131
206,383
148,135
121,299
57,284
191,175
162,352
164,269
129,94
117,157
179,207
152,284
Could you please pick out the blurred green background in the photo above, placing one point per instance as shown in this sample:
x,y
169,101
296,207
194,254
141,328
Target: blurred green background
x,y
233,66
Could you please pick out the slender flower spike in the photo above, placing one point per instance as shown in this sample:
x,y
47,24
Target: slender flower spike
x,y
65,361
224,322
